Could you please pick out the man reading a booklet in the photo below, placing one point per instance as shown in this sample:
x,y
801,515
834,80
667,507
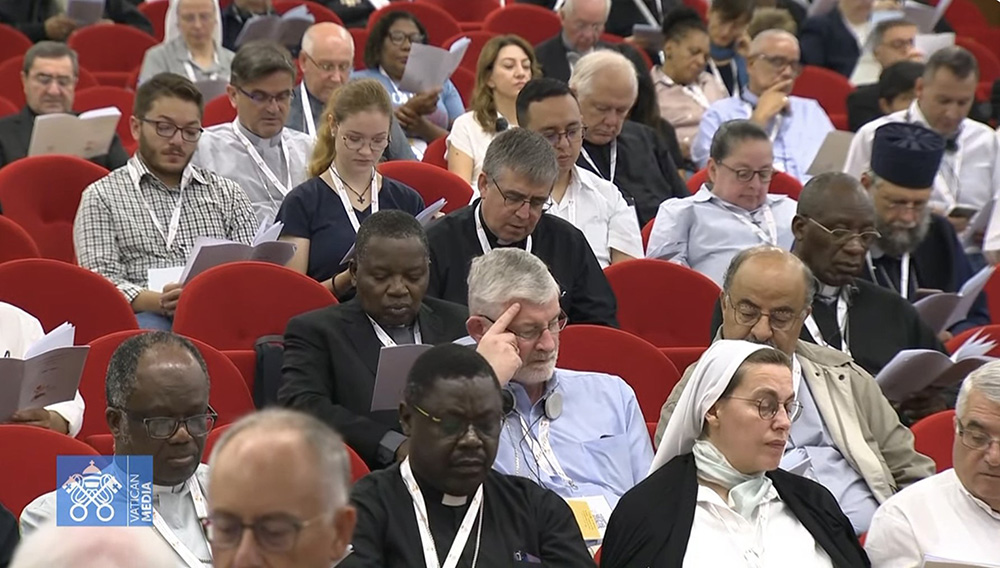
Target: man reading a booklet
x,y
147,214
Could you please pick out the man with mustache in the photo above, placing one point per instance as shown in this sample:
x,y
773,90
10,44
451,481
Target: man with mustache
x,y
848,437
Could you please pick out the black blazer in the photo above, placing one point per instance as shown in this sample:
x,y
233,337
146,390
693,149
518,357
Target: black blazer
x,y
330,359
651,524
551,55
826,42
15,137
29,15
862,106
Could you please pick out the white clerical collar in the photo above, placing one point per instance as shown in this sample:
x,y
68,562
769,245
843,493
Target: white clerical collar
x,y
827,291
173,489
257,141
454,500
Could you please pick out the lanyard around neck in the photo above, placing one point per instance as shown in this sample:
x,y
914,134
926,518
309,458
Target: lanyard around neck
x,y
614,160
484,242
345,200
771,236
307,114
201,511
387,340
541,451
842,323
170,234
189,67
904,274
261,165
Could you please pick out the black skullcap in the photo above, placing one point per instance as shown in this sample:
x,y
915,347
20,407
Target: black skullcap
x,y
907,155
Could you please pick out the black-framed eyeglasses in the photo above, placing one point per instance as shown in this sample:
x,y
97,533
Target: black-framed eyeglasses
x,y
398,37
768,406
355,143
748,315
261,98
746,174
64,81
572,134
274,533
328,66
844,236
164,427
167,129
514,200
975,439
779,63
453,426
554,327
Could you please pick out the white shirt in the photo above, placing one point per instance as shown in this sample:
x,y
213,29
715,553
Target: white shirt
x,y
596,207
935,516
721,537
992,240
469,137
18,331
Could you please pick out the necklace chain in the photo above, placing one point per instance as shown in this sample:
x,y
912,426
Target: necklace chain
x,y
359,195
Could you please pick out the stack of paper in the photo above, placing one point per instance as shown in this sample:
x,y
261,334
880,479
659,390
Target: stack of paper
x,y
49,373
286,29
913,370
428,67
929,44
88,135
942,310
85,12
925,17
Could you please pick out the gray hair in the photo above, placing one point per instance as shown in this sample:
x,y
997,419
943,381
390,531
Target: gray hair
x,y
601,62
569,5
120,381
746,254
53,546
507,274
524,153
259,59
985,380
766,36
813,200
50,50
956,59
321,29
323,442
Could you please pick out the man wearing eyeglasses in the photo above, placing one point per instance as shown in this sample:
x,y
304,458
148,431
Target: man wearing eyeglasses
x,y
519,171
796,126
256,151
581,197
955,515
731,212
848,437
157,387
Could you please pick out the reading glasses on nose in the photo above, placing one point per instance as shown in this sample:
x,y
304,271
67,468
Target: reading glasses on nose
x,y
746,174
554,327
748,315
261,98
867,237
767,407
515,200
975,439
453,426
164,427
273,533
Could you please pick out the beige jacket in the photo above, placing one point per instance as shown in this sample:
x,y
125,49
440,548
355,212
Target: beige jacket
x,y
863,425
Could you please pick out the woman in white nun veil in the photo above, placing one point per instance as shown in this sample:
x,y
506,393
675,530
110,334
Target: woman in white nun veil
x,y
192,44
714,496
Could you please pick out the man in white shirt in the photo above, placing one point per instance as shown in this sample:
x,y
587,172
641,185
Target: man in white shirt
x,y
890,41
266,159
954,515
157,385
594,205
730,212
18,331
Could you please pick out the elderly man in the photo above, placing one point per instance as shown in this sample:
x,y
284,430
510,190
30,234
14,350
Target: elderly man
x,y
796,126
731,212
891,41
444,499
266,159
628,154
519,171
157,390
848,437
93,547
591,204
49,75
894,91
955,515
331,354
286,476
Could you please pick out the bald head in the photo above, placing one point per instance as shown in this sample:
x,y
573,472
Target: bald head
x,y
326,59
93,547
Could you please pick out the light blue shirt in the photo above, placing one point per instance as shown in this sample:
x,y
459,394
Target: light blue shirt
x,y
704,232
796,134
600,440
449,106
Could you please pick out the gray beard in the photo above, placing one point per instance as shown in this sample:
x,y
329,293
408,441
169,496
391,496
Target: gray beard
x,y
897,242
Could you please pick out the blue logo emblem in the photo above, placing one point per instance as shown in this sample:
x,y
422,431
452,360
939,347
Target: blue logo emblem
x,y
104,491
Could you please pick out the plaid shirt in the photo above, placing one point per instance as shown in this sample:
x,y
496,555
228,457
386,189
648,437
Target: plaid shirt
x,y
115,236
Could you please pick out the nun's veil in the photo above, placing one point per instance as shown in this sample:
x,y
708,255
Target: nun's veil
x,y
172,31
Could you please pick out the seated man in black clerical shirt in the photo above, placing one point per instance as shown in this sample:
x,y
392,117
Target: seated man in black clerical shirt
x,y
444,505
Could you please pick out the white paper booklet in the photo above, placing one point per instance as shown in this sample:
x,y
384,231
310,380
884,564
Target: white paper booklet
x,y
49,373
85,12
913,370
944,309
88,135
428,67
286,29
924,16
394,364
424,218
832,153
928,44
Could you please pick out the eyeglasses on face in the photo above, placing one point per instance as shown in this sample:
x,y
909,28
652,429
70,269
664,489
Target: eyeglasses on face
x,y
975,439
844,236
261,98
514,200
329,66
273,533
744,175
531,335
748,315
572,135
779,63
355,143
767,407
397,38
64,81
452,426
166,129
164,427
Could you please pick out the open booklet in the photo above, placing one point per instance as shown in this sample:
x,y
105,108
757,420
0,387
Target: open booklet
x,y
394,364
937,562
49,373
286,29
85,12
88,135
424,218
208,252
942,310
832,153
428,67
913,370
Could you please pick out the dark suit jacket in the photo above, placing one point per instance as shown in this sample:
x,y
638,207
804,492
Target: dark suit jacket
x,y
29,15
825,41
9,536
15,136
551,54
330,359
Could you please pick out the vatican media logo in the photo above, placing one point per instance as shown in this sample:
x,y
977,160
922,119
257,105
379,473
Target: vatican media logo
x,y
104,491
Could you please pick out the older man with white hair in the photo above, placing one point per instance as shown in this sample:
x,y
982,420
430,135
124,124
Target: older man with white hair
x,y
954,515
626,153
796,126
93,547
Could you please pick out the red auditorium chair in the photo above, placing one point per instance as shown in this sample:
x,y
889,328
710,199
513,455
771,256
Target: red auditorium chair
x,y
934,436
13,43
440,25
12,89
533,23
683,357
434,154
16,242
246,361
989,64
962,15
992,291
156,13
42,193
111,52
465,81
218,111
699,6
829,88
666,304
359,468
210,441
431,182
232,305
360,37
465,11
228,396
57,292
987,331
7,108
987,36
478,40
607,350
118,97
781,184
319,12
31,463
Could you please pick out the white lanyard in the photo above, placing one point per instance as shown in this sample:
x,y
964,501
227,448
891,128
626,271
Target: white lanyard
x,y
817,335
386,340
398,97
263,167
424,525
307,114
483,241
736,79
189,68
771,236
541,450
614,160
773,135
175,217
345,200
200,510
904,274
